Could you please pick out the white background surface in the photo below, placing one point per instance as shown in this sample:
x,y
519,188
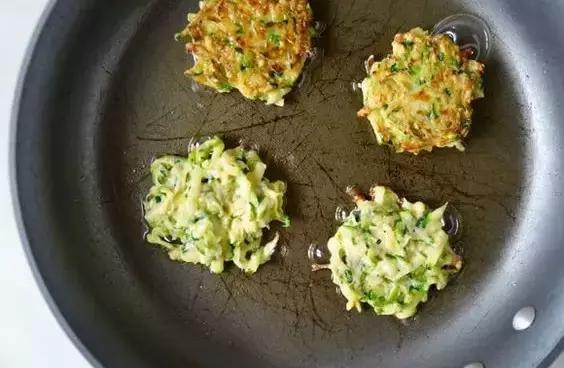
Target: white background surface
x,y
29,335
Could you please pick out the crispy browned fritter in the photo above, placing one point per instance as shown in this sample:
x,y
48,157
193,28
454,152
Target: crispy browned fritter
x,y
419,97
258,47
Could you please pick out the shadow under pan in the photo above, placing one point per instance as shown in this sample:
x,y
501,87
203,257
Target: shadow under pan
x,y
106,95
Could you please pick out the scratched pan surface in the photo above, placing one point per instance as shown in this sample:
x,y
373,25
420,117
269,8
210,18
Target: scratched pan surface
x,y
104,93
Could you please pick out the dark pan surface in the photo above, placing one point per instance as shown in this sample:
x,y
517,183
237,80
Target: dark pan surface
x,y
104,94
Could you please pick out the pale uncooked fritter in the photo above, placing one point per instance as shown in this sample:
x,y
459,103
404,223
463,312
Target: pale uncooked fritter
x,y
420,96
388,253
212,206
258,47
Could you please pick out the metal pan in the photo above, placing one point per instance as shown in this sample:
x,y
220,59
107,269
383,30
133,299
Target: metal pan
x,y
103,93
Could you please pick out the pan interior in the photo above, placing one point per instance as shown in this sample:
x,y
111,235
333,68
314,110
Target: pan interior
x,y
285,313
140,106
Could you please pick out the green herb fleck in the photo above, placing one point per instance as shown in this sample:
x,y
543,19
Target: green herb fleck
x,y
275,74
348,276
422,222
370,295
245,63
183,36
408,43
228,42
400,228
480,84
313,32
274,37
416,285
286,221
454,63
434,112
414,70
425,53
225,87
395,68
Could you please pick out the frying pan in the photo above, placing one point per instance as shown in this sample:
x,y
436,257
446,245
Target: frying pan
x,y
103,93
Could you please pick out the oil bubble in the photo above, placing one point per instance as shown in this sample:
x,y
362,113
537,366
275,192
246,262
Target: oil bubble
x,y
452,222
319,256
469,32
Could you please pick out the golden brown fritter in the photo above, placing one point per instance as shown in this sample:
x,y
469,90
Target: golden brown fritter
x,y
419,97
258,47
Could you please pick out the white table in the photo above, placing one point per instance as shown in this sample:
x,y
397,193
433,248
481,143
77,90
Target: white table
x,y
29,335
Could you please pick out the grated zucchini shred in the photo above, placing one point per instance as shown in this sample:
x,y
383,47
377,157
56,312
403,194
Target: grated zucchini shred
x,y
388,253
213,205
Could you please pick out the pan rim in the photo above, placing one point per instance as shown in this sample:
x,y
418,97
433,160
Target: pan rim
x,y
17,102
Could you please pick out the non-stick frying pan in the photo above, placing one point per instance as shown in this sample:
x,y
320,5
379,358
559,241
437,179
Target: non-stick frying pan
x,y
104,93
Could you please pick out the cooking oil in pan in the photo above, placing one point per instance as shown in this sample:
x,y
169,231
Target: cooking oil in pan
x,y
311,63
249,145
341,214
469,32
318,256
315,59
452,223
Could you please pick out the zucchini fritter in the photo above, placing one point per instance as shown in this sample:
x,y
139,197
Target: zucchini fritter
x,y
258,47
388,253
419,97
211,207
